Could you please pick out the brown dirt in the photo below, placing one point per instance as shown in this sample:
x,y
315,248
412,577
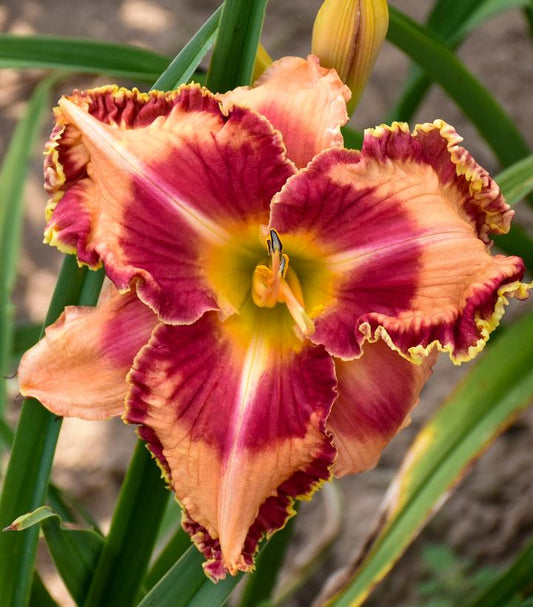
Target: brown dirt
x,y
490,515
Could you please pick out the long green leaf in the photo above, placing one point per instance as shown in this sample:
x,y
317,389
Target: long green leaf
x,y
497,389
516,181
28,470
12,179
40,597
452,21
515,580
182,67
118,575
239,32
185,585
178,544
440,63
261,582
74,550
80,55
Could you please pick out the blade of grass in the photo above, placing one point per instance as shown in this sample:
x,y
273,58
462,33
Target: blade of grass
x,y
440,63
516,579
80,55
495,391
12,179
239,32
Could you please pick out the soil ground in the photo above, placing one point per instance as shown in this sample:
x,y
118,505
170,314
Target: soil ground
x,y
490,516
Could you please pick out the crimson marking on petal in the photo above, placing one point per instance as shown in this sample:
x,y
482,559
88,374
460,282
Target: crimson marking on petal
x,y
101,135
235,420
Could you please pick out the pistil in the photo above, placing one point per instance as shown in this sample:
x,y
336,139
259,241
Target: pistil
x,y
269,286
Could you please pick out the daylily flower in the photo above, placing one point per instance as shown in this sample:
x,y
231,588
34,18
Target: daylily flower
x,y
278,300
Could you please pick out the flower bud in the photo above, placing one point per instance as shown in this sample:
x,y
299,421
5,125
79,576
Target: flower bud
x,y
347,36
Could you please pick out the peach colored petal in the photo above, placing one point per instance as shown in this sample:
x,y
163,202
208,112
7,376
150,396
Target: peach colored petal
x,y
79,368
401,230
305,102
238,427
376,394
152,185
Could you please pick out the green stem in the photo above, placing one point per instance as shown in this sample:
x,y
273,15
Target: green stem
x,y
129,544
236,45
31,458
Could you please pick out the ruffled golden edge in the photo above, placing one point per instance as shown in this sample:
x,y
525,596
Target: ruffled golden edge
x,y
54,173
485,193
201,538
418,354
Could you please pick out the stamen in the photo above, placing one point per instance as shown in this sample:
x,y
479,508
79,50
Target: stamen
x,y
274,243
304,323
269,286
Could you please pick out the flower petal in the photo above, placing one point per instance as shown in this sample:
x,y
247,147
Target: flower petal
x,y
152,185
237,424
79,368
376,393
305,102
401,231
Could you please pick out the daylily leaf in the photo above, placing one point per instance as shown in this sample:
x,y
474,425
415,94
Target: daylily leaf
x,y
194,589
261,582
352,139
178,544
453,22
232,63
437,60
516,579
12,176
29,469
40,597
25,336
497,389
182,67
516,181
79,55
141,504
74,550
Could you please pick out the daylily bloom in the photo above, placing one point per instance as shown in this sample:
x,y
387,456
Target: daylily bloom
x,y
278,300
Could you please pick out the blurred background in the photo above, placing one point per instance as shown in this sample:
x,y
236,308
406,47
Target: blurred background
x,y
486,522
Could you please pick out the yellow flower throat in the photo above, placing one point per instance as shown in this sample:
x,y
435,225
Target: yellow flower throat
x,y
279,284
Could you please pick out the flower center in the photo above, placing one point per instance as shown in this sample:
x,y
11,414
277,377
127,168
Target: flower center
x,y
279,284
